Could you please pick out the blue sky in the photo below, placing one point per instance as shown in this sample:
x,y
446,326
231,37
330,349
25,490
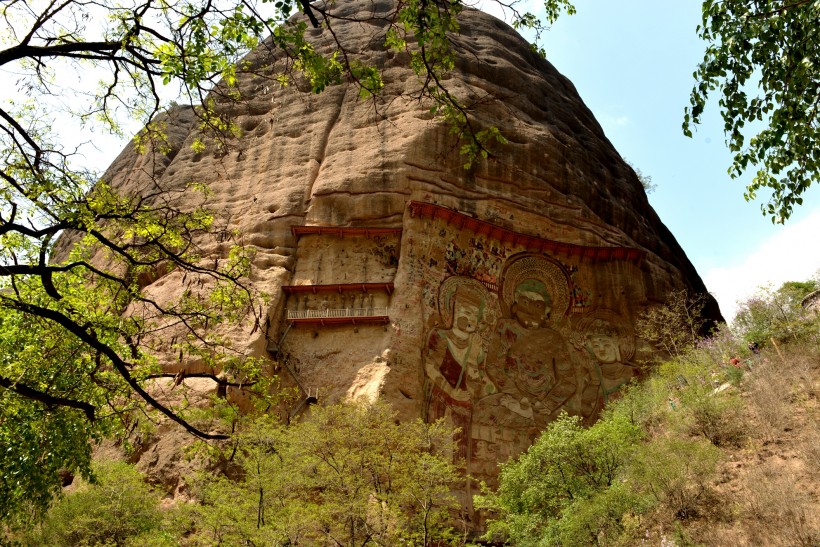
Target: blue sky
x,y
632,63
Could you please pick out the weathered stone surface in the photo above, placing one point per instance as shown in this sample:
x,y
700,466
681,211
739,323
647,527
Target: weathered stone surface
x,y
494,298
811,303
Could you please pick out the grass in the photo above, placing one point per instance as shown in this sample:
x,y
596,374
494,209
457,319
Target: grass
x,y
766,488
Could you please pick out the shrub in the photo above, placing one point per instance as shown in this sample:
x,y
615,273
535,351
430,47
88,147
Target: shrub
x,y
675,472
646,404
608,517
782,506
769,391
777,314
116,509
676,325
699,408
566,473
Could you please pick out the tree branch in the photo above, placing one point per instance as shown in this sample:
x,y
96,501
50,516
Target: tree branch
x,y
119,364
209,375
49,400
307,10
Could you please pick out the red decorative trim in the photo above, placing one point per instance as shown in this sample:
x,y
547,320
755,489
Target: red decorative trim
x,y
344,231
323,321
339,287
532,243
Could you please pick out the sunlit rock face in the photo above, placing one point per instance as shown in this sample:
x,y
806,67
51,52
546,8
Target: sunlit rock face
x,y
494,298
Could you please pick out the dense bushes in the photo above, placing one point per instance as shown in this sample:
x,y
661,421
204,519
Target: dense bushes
x,y
565,487
351,474
118,508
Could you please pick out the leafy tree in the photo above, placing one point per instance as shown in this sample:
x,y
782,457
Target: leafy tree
x,y
73,368
567,472
763,59
118,508
676,325
775,314
74,253
348,475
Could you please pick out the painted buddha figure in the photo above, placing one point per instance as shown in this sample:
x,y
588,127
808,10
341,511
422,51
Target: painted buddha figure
x,y
535,354
454,356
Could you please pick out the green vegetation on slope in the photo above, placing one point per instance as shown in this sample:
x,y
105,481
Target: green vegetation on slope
x,y
685,457
718,445
117,508
348,475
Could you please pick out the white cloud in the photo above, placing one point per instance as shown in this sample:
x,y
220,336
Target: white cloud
x,y
792,254
614,121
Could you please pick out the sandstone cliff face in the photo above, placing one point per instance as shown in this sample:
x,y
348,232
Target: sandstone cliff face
x,y
494,298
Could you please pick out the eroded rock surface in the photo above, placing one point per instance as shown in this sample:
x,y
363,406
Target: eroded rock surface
x,y
494,298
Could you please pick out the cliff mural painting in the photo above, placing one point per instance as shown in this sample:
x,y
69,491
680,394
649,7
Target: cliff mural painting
x,y
506,355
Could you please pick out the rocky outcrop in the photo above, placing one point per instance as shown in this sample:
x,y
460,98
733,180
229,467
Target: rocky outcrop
x,y
494,297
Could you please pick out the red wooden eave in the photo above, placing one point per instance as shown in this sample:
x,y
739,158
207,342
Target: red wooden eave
x,y
339,287
344,231
423,209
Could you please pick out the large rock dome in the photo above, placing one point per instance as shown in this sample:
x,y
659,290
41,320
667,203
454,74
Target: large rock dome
x,y
494,297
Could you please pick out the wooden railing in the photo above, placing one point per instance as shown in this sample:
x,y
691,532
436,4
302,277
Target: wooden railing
x,y
337,313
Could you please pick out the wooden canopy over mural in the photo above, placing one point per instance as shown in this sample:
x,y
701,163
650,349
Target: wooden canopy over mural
x,y
532,243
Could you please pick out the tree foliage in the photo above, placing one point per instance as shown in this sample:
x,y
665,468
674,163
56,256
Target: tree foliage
x,y
563,478
776,314
118,508
75,366
676,325
763,60
347,475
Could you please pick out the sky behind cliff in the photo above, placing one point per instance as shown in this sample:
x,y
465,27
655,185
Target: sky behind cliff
x,y
632,63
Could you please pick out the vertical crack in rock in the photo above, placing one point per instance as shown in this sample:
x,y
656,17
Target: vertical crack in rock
x,y
319,154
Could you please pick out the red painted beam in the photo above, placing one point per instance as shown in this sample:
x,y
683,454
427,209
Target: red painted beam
x,y
481,227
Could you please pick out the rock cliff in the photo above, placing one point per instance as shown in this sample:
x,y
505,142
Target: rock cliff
x,y
495,297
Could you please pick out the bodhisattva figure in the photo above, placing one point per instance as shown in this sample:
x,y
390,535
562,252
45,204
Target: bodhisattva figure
x,y
454,356
612,349
608,348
